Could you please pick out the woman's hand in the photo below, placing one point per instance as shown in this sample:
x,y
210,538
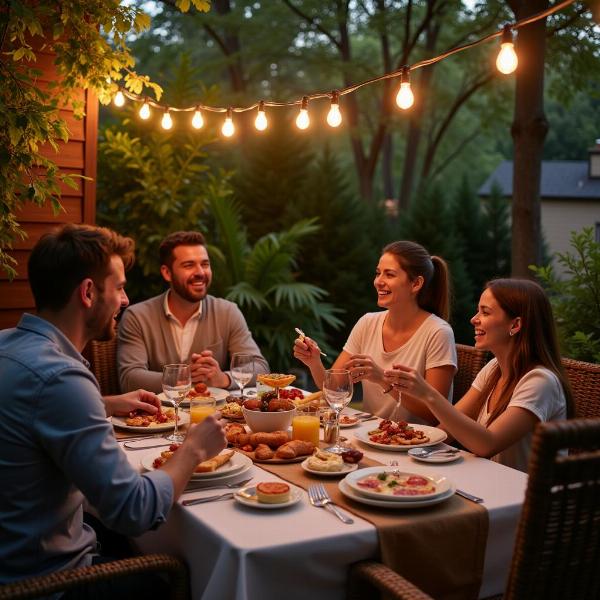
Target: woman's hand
x,y
408,380
363,367
307,351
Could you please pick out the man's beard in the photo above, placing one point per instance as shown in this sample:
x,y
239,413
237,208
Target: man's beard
x,y
102,328
182,290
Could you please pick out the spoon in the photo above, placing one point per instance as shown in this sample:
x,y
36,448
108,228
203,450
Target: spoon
x,y
423,453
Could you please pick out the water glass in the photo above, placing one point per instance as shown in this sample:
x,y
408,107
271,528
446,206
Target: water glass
x,y
176,383
242,370
338,390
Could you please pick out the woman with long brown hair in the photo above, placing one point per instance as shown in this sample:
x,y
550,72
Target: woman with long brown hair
x,y
413,289
523,384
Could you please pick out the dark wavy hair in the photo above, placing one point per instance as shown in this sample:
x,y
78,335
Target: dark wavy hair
x,y
434,295
178,238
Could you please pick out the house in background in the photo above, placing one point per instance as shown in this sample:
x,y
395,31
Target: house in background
x,y
569,194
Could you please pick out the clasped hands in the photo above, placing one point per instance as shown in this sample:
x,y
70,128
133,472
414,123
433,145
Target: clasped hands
x,y
206,369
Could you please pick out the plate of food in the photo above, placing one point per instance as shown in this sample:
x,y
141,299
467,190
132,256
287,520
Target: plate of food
x,y
327,464
144,422
393,485
232,411
348,420
400,436
382,503
200,389
225,464
268,495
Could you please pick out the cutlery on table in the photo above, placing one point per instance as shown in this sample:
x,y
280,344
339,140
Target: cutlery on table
x,y
133,438
319,497
226,496
424,453
470,497
197,487
128,447
303,335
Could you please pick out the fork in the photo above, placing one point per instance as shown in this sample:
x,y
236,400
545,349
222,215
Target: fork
x,y
231,486
225,496
319,497
303,335
128,447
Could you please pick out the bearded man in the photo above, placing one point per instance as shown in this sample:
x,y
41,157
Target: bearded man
x,y
183,325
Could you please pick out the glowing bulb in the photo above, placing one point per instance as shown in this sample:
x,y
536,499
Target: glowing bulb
x,y
119,99
303,120
507,60
167,121
228,129
145,111
405,97
334,117
261,119
197,120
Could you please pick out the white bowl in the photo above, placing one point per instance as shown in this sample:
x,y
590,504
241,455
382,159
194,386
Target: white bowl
x,y
268,421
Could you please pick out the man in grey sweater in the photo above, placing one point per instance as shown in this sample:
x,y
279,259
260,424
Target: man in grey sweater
x,y
183,325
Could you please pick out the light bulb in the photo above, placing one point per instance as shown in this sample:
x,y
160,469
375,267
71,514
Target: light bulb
x,y
507,60
167,121
303,120
334,116
405,97
119,99
197,120
145,111
228,128
261,118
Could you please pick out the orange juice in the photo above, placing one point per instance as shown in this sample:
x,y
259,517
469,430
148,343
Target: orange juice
x,y
199,413
306,427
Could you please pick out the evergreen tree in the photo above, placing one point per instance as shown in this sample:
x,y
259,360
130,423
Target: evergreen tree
x,y
495,259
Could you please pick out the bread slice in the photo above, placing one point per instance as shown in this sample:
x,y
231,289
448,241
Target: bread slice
x,y
213,464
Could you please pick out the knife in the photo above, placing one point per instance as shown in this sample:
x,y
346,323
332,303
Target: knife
x,y
226,496
470,497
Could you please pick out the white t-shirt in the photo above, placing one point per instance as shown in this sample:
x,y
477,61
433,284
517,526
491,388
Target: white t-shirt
x,y
539,391
432,345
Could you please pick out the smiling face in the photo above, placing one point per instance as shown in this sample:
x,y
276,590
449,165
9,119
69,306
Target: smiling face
x,y
392,283
492,324
190,274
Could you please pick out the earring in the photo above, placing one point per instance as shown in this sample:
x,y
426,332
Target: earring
x,y
511,333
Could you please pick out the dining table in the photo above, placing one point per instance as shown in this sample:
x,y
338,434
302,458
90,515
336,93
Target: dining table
x,y
238,552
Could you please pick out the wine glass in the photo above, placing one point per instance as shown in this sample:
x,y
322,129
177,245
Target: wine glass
x,y
337,389
176,383
396,414
242,370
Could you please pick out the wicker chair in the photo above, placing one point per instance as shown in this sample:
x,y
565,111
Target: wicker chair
x,y
584,378
61,581
470,361
557,550
103,361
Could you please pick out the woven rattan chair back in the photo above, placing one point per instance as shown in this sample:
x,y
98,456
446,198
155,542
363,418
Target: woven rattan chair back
x,y
470,361
557,550
584,378
103,360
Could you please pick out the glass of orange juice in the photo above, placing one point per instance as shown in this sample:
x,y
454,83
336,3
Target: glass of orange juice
x,y
201,407
305,424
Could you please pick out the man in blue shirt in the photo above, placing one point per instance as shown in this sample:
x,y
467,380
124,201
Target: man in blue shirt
x,y
56,444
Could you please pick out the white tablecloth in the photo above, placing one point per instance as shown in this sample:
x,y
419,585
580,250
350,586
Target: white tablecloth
x,y
240,553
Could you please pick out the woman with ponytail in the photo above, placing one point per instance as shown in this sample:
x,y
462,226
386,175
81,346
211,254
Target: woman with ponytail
x,y
413,289
522,385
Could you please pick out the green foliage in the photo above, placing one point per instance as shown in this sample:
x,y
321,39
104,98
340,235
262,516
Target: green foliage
x,y
495,259
576,298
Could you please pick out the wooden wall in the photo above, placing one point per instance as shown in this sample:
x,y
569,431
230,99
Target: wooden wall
x,y
77,156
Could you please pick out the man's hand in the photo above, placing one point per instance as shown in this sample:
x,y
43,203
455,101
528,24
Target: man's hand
x,y
206,438
205,369
123,404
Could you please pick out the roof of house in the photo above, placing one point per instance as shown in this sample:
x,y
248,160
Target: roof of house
x,y
560,179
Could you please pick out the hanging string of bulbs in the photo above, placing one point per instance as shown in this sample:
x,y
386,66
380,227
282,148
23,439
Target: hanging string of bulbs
x,y
506,62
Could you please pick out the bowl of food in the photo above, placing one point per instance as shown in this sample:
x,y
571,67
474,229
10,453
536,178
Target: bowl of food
x,y
270,415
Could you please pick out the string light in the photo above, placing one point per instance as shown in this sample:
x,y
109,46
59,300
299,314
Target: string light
x,y
228,128
261,119
167,121
507,60
334,116
303,120
197,120
145,111
405,97
119,99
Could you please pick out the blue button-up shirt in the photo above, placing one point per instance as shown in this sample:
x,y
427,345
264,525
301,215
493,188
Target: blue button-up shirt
x,y
57,446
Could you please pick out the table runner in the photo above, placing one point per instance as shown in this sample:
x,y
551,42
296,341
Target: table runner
x,y
440,548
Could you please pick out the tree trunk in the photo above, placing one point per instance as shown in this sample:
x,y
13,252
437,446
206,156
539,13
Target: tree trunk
x,y
529,130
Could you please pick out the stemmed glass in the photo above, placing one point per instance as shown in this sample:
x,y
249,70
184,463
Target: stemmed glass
x,y
176,383
242,370
395,416
337,389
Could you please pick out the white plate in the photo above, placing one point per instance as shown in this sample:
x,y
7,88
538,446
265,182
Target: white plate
x,y
236,465
438,458
346,468
344,425
217,393
120,423
435,437
295,495
442,484
350,493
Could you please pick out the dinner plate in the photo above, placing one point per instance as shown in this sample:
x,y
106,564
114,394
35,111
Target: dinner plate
x,y
295,495
437,458
120,423
344,425
434,434
236,465
441,482
217,393
350,493
346,468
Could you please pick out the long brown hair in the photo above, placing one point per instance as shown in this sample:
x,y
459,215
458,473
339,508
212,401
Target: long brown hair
x,y
434,295
535,344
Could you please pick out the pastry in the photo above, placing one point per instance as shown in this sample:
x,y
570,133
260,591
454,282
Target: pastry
x,y
325,461
294,449
273,492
